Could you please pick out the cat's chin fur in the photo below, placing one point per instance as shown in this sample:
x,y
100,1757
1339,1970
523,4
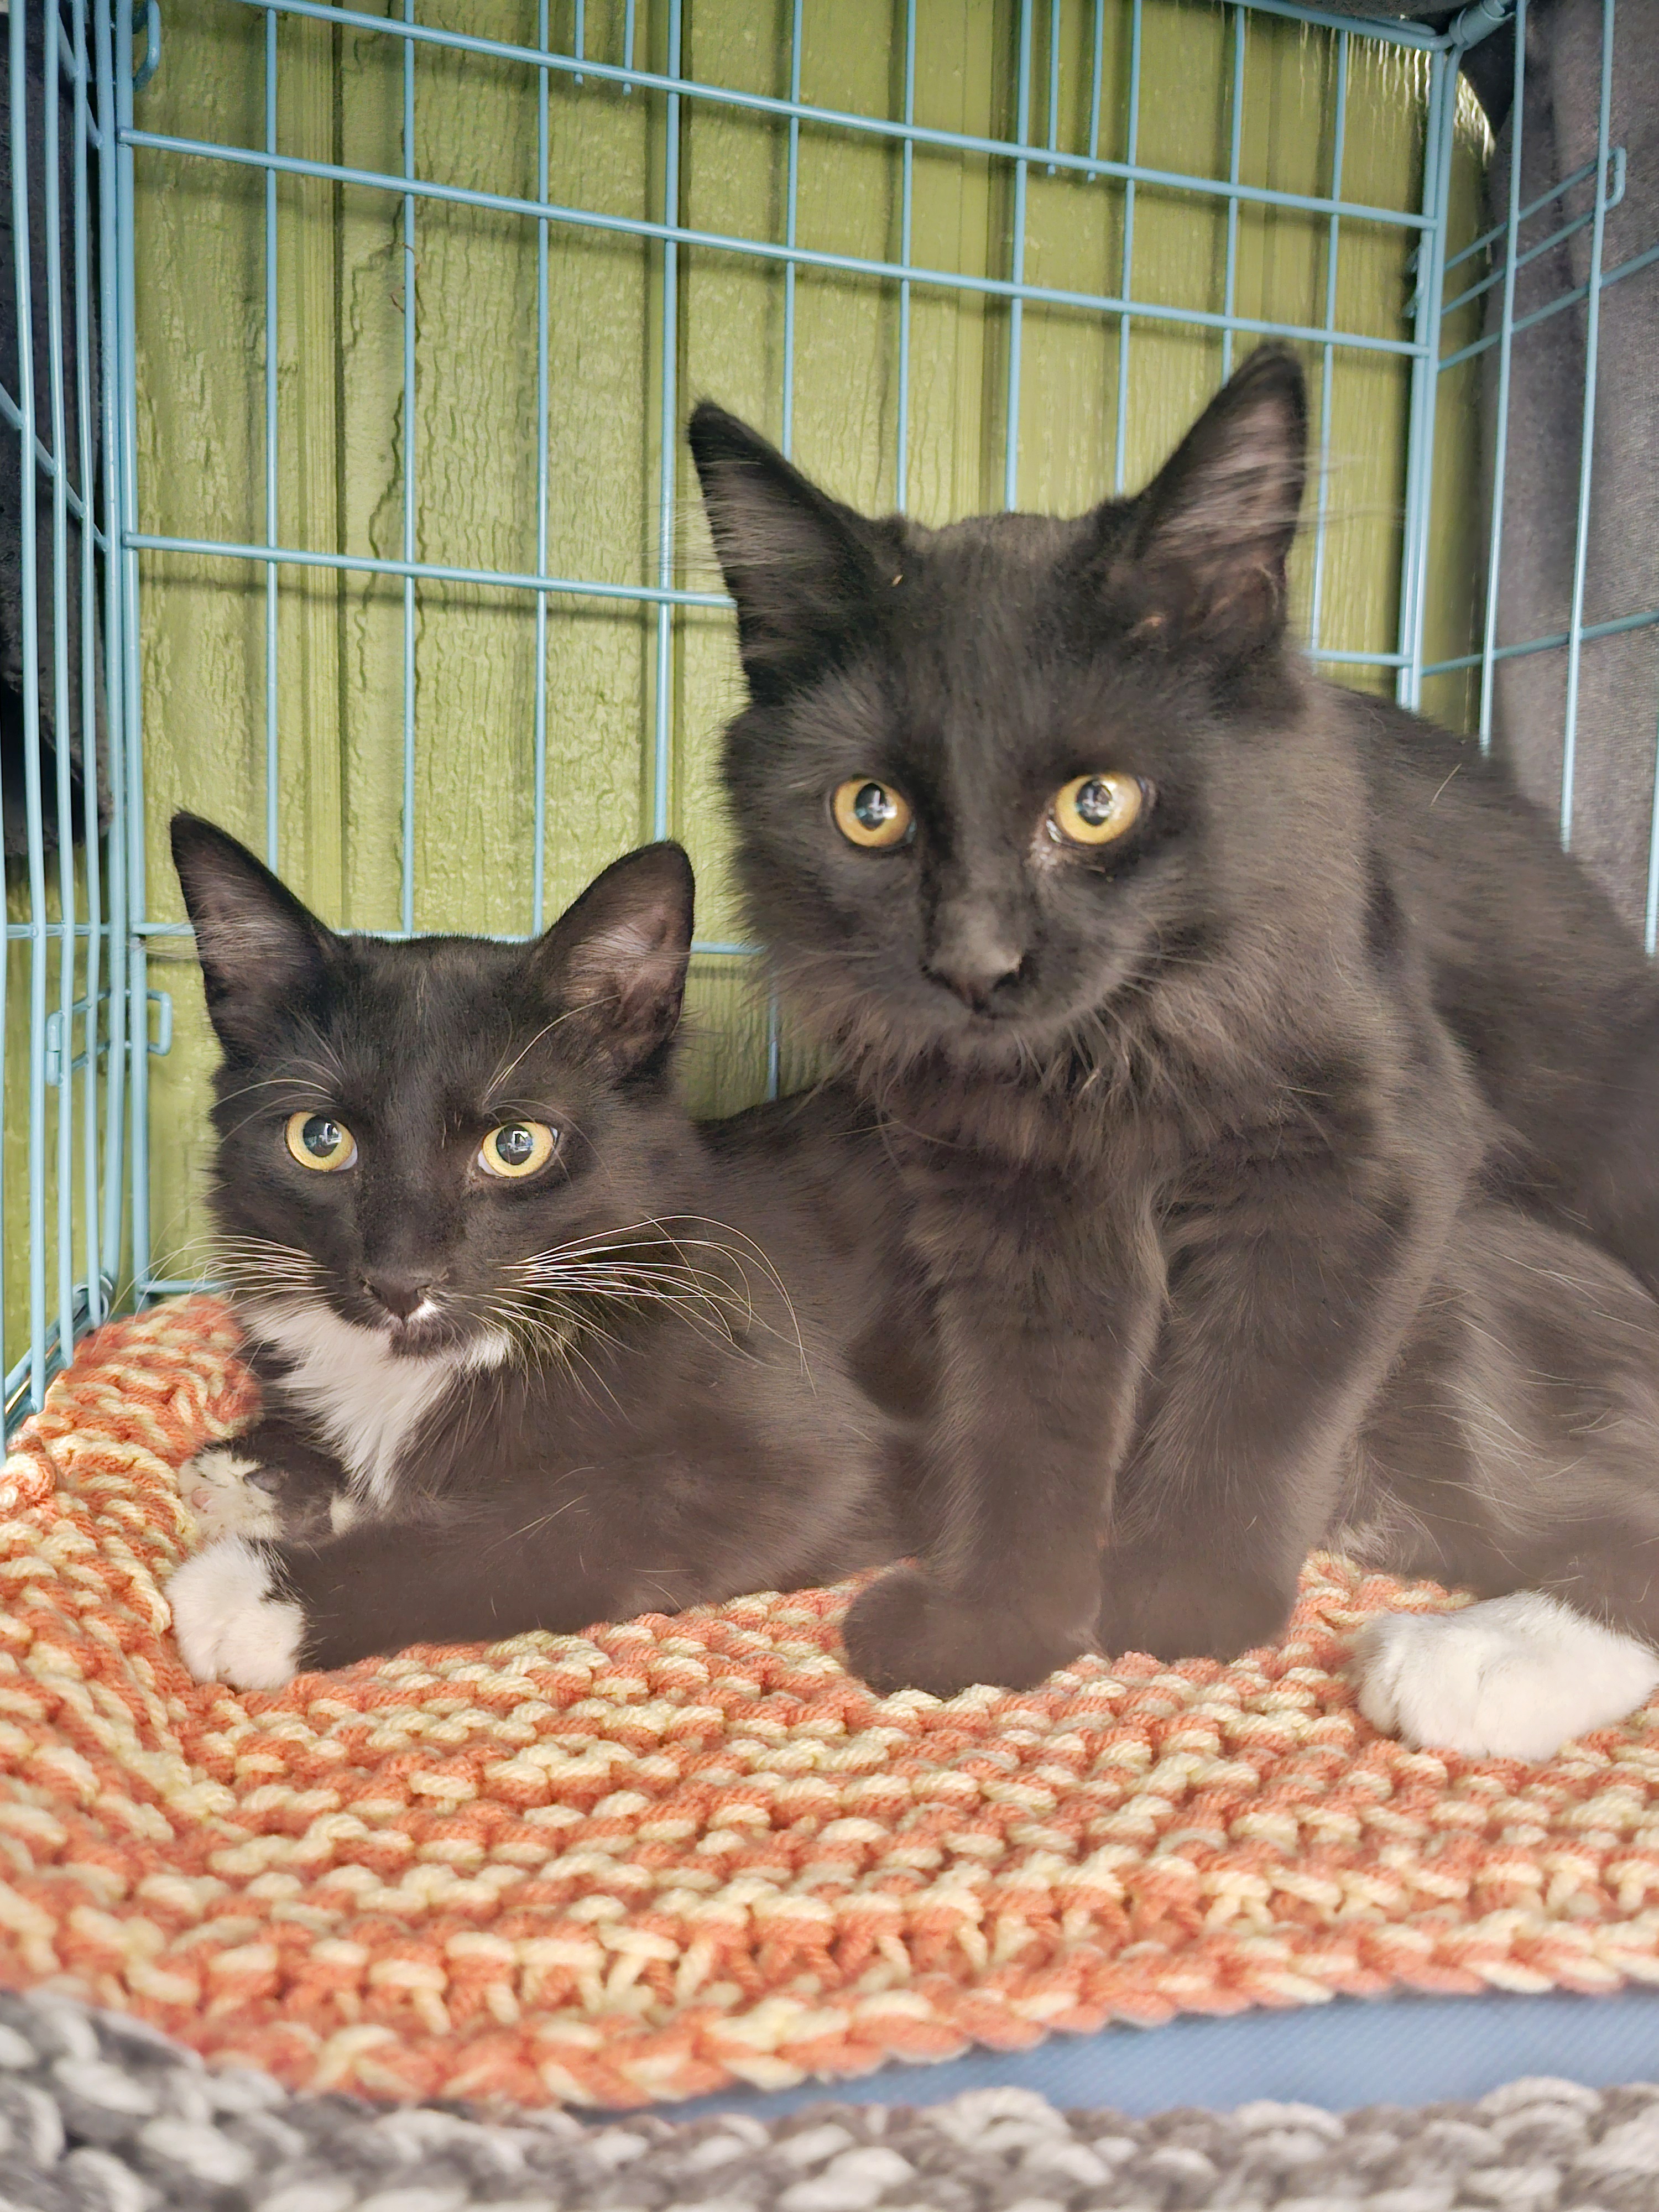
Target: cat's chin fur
x,y
366,1396
924,1031
1163,1033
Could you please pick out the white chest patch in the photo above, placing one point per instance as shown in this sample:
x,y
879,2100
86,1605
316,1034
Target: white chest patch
x,y
366,1400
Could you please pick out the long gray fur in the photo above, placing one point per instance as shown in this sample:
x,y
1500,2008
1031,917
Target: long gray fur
x,y
101,2114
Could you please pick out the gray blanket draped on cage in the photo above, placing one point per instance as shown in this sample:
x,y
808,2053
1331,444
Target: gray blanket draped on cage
x,y
1619,681
1617,716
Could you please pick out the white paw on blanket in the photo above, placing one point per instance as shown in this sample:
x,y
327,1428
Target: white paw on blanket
x,y
232,1624
1513,1678
222,1500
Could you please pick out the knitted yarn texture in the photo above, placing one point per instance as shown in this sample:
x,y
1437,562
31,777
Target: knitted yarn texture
x,y
101,2115
647,1861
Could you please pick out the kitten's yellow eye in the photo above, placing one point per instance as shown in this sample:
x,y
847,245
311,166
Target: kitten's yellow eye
x,y
517,1149
318,1140
871,814
1093,810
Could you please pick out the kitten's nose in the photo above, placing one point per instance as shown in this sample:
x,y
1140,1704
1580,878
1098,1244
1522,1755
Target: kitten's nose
x,y
399,1294
973,963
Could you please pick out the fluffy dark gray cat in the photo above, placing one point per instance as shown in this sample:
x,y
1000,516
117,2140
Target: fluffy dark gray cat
x,y
1274,1101
537,1350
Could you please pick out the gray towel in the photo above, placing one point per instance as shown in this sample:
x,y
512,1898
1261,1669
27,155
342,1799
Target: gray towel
x,y
99,2114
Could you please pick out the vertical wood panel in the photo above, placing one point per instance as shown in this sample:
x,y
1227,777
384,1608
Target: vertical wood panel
x,y
309,242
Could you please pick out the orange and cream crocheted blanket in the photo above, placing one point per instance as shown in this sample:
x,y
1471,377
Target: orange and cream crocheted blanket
x,y
639,1863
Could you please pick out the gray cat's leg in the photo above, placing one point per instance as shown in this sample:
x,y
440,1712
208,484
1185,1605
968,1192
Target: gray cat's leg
x,y
1515,1451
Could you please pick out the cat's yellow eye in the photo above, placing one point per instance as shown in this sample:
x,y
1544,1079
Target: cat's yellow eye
x,y
1093,810
318,1140
517,1149
871,814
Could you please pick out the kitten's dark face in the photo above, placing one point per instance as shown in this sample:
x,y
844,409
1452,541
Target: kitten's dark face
x,y
992,775
404,1129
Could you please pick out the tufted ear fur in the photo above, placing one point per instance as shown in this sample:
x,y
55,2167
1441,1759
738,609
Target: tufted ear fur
x,y
805,570
261,951
617,958
1204,559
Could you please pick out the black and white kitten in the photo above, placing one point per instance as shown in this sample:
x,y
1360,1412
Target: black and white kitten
x,y
1176,974
537,1350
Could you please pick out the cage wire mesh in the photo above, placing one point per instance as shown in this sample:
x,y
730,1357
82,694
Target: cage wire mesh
x,y
349,499
63,984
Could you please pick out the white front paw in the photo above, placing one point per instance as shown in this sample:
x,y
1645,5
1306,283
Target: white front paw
x,y
222,1501
231,1624
1514,1678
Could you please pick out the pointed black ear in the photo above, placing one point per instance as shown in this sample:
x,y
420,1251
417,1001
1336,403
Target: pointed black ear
x,y
261,951
616,959
806,571
1209,538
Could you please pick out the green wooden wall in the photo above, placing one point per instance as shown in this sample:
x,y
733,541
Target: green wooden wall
x,y
339,340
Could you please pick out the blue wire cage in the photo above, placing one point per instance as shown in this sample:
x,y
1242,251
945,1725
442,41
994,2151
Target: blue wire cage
x,y
88,922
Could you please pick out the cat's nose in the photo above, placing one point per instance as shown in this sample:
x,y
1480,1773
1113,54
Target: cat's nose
x,y
975,965
399,1294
